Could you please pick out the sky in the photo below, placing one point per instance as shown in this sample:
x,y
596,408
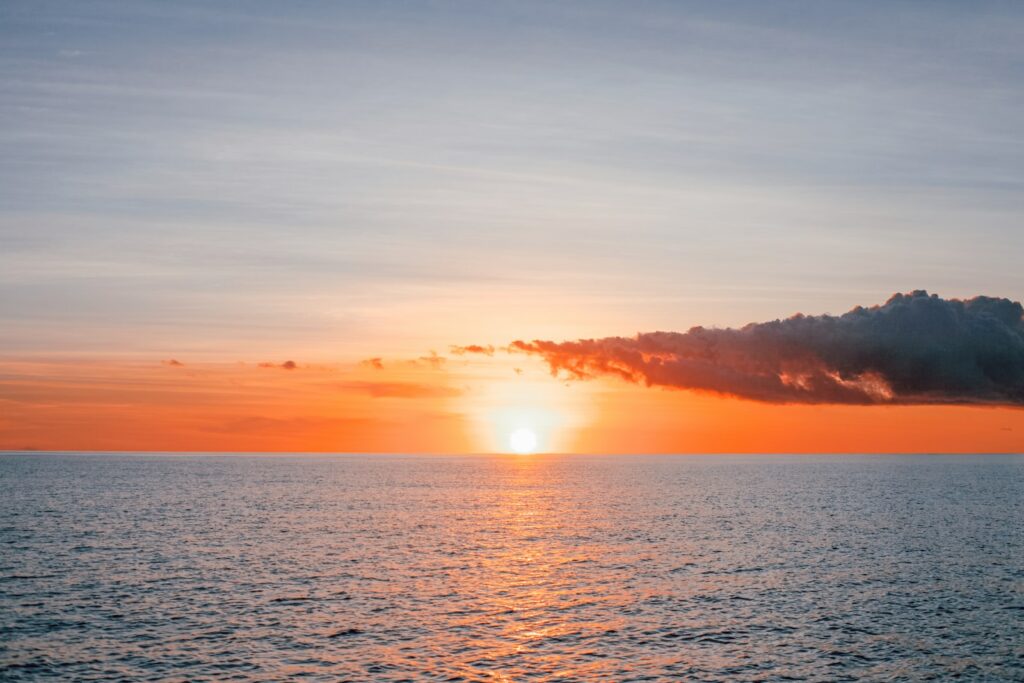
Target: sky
x,y
267,226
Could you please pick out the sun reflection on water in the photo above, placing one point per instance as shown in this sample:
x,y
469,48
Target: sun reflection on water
x,y
528,575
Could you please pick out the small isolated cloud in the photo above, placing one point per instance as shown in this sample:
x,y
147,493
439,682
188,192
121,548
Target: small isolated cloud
x,y
433,360
172,362
400,389
914,349
287,365
375,363
472,348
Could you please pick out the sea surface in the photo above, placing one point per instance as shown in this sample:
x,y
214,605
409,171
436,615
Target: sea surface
x,y
541,568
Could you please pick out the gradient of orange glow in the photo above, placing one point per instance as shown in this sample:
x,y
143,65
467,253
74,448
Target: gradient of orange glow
x,y
230,407
631,418
505,402
460,406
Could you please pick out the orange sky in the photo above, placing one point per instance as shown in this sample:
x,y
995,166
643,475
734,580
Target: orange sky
x,y
239,186
458,404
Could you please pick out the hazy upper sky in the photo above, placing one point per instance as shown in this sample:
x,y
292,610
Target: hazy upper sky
x,y
328,180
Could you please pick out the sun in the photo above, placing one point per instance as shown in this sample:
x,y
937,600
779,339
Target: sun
x,y
523,441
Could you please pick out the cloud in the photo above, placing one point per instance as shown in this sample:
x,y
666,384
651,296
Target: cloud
x,y
914,349
172,362
287,365
433,360
472,348
399,389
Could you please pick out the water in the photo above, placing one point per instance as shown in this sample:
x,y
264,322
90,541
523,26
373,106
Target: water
x,y
382,568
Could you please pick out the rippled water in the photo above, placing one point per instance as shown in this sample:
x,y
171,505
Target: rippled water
x,y
383,568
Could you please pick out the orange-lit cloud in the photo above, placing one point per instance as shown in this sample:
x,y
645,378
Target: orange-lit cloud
x,y
914,349
472,348
287,365
433,360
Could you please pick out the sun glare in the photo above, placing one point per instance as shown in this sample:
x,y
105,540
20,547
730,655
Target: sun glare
x,y
526,414
523,441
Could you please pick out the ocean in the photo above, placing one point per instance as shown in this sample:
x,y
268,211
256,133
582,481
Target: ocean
x,y
511,568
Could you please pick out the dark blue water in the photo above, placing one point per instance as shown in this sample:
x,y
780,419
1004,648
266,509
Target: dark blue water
x,y
383,568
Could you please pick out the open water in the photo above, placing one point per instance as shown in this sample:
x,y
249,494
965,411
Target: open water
x,y
491,568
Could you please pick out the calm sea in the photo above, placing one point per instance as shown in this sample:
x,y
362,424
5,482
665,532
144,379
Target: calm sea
x,y
387,568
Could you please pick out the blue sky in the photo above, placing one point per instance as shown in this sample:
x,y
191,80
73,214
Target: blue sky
x,y
345,179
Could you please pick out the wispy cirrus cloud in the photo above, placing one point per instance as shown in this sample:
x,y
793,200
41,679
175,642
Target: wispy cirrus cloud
x,y
399,389
914,349
433,360
259,424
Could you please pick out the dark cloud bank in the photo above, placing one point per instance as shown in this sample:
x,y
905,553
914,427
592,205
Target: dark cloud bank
x,y
914,349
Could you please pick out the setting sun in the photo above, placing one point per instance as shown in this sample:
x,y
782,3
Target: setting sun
x,y
523,441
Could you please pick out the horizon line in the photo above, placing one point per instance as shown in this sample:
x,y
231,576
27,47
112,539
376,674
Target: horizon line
x,y
26,451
